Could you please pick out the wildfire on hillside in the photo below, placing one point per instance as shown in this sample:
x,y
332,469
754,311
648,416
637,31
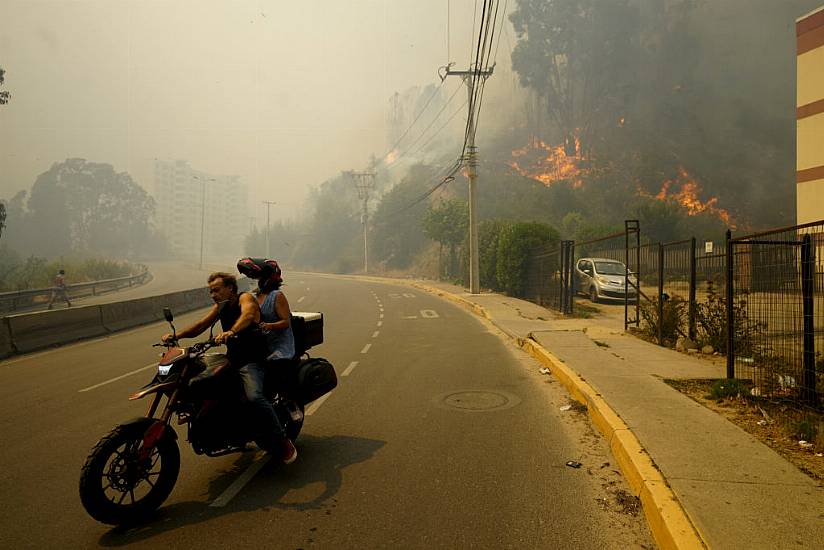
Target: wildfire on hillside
x,y
391,157
685,190
546,163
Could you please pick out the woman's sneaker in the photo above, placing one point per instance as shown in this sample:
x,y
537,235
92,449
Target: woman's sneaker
x,y
290,453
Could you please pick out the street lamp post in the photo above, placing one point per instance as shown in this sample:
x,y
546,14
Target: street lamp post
x,y
268,248
202,218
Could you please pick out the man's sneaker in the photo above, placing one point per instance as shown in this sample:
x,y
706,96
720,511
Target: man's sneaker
x,y
290,453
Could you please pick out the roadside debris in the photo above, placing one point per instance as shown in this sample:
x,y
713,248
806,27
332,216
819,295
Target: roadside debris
x,y
762,422
566,407
805,444
574,464
545,370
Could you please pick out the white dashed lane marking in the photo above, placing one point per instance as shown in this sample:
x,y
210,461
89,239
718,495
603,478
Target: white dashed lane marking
x,y
380,323
350,368
301,299
241,481
313,408
366,348
375,334
118,378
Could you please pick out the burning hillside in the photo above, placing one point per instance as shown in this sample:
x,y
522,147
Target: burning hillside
x,y
546,163
685,191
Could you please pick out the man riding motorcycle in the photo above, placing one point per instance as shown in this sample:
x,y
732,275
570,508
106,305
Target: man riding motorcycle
x,y
239,315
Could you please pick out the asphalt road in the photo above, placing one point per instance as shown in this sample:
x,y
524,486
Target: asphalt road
x,y
439,435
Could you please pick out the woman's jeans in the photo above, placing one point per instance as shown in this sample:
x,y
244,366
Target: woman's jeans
x,y
267,425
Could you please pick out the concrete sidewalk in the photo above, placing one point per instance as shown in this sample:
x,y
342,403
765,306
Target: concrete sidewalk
x,y
736,492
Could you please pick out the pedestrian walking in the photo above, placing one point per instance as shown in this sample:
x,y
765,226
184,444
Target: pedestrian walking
x,y
59,290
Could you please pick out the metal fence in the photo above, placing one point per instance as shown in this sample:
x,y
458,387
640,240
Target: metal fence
x,y
549,277
27,299
759,299
775,311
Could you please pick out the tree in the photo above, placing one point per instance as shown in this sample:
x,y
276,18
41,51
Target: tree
x,y
2,218
88,207
4,96
577,56
447,224
397,234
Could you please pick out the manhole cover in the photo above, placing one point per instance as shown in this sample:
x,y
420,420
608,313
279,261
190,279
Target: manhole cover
x,y
478,400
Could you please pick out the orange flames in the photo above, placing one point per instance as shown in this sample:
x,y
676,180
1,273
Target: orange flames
x,y
687,196
547,164
391,157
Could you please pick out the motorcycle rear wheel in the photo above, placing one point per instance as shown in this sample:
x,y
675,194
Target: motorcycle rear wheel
x,y
116,487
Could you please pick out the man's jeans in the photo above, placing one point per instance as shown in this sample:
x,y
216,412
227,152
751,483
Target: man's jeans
x,y
267,424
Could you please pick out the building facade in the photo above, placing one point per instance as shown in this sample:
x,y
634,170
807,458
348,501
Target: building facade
x,y
195,207
810,117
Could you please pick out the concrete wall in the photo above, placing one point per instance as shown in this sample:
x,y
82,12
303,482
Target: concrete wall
x,y
810,117
32,331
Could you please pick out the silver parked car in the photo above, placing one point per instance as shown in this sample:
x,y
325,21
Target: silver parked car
x,y
602,278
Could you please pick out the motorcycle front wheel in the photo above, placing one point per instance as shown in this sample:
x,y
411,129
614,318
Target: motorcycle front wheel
x,y
117,486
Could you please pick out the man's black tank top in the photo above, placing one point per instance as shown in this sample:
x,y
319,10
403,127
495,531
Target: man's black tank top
x,y
249,345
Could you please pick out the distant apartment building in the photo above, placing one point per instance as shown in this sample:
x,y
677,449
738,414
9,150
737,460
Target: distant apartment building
x,y
188,199
810,117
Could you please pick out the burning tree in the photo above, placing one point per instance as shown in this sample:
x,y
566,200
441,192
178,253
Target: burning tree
x,y
574,55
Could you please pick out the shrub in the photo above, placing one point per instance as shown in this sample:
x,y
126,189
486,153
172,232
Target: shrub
x,y
806,429
729,387
711,322
515,243
674,318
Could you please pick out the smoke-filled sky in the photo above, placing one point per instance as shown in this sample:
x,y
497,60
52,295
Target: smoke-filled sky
x,y
285,94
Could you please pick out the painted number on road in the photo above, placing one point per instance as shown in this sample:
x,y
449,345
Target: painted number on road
x,y
429,314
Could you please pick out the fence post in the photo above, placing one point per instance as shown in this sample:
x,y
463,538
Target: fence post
x,y
807,290
693,283
730,316
570,275
660,294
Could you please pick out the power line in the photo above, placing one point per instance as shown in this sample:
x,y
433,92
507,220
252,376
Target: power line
x,y
428,101
445,124
394,163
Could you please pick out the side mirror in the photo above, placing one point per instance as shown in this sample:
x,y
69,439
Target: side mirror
x,y
167,314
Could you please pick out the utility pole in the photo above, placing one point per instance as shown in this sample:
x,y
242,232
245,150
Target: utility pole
x,y
472,157
268,248
202,214
364,182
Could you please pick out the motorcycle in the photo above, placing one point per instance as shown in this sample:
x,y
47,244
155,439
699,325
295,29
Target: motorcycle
x,y
133,469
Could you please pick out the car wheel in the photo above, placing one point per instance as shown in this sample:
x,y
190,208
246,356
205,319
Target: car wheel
x,y
593,293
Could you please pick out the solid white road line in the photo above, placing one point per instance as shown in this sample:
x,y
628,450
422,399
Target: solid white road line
x,y
366,348
313,408
350,368
153,365
301,299
375,334
241,481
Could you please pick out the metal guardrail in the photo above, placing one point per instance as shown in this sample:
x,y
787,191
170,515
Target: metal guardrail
x,y
26,299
